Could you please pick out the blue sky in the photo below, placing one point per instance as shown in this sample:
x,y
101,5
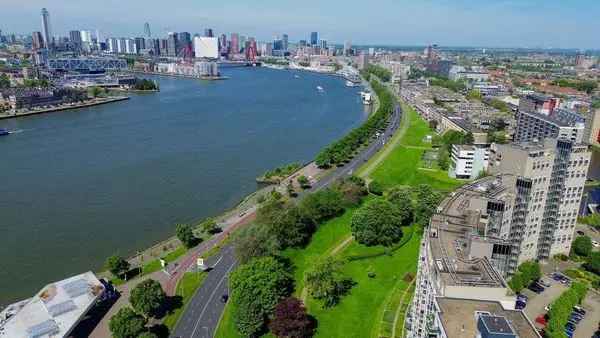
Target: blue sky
x,y
503,23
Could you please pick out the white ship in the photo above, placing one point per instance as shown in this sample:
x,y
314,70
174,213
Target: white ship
x,y
320,89
350,84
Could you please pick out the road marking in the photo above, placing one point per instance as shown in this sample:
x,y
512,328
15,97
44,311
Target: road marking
x,y
218,260
209,299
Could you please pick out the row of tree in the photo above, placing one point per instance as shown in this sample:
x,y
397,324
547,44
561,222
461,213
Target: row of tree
x,y
343,150
582,246
561,309
145,84
526,273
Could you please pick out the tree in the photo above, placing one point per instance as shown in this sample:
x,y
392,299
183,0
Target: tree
x,y
378,222
322,205
148,297
529,271
186,235
474,94
290,189
593,263
516,282
255,241
326,283
400,197
147,334
375,188
304,182
256,288
352,189
426,203
210,226
95,91
117,265
4,81
291,320
443,158
582,246
468,138
292,228
127,324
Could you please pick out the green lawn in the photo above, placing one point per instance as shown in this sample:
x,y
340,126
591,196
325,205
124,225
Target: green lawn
x,y
186,287
401,167
359,313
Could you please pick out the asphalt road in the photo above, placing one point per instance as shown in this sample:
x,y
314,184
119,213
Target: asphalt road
x,y
203,313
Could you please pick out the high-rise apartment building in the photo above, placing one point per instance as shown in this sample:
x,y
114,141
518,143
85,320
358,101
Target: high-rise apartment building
x,y
483,231
46,29
285,41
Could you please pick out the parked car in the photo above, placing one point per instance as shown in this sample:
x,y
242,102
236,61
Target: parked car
x,y
536,288
580,233
522,297
544,283
579,309
520,305
224,298
595,244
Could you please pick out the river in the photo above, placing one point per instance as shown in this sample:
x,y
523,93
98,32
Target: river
x,y
80,185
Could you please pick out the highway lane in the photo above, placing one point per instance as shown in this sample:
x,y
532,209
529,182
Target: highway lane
x,y
203,313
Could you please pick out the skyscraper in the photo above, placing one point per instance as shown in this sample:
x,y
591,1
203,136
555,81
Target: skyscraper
x,y
208,32
223,44
147,32
314,38
46,28
37,40
284,39
172,44
235,43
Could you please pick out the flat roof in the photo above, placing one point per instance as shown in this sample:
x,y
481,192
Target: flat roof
x,y
459,317
497,324
56,309
455,223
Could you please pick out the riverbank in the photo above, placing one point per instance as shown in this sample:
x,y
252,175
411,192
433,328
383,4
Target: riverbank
x,y
90,103
207,78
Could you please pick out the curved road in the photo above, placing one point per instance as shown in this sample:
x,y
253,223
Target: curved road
x,y
202,314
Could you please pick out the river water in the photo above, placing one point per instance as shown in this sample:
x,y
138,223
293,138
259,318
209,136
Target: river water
x,y
80,185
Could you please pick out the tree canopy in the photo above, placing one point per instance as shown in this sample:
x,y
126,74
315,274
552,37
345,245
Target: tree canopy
x,y
186,235
290,320
256,288
427,201
117,265
326,282
148,297
379,222
127,324
582,246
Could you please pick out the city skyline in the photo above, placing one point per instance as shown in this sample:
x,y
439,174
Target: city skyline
x,y
531,23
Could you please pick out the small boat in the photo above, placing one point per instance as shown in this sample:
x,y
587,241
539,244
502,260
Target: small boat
x,y
4,132
319,88
350,84
296,76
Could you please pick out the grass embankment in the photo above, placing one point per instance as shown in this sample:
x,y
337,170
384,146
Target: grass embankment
x,y
402,165
186,288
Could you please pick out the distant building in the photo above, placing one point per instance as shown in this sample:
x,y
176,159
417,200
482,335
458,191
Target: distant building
x,y
172,45
592,127
473,74
314,39
285,41
113,45
363,61
85,64
140,44
206,47
347,48
208,32
235,43
75,39
37,41
46,29
468,161
147,32
538,103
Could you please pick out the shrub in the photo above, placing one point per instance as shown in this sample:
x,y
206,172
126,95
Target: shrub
x,y
376,188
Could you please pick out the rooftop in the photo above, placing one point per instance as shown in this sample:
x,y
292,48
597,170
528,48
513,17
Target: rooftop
x,y
560,117
56,309
458,317
456,222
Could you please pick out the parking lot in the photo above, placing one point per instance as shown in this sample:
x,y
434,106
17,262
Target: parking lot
x,y
589,324
537,302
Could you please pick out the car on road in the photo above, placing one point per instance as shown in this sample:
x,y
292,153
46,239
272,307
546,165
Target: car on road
x,y
224,298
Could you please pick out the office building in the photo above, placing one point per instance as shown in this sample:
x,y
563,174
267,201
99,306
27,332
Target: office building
x,y
206,47
37,41
285,41
468,161
223,44
75,39
561,123
323,44
314,39
46,29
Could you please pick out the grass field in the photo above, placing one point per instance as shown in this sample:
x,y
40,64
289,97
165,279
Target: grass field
x,y
186,288
401,167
